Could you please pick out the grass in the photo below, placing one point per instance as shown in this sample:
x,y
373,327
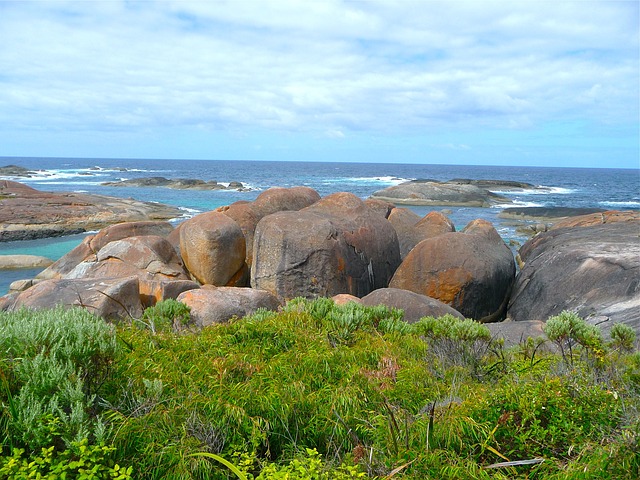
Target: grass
x,y
321,391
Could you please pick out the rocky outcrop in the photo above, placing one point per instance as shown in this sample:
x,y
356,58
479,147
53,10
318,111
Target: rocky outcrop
x,y
516,333
412,229
248,214
86,251
592,269
211,304
472,271
213,249
428,192
547,214
116,298
150,258
414,305
178,183
498,185
337,245
600,218
16,171
26,213
14,262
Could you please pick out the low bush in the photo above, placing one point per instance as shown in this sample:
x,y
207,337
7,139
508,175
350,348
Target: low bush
x,y
325,391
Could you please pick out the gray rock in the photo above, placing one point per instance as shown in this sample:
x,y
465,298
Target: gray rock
x,y
337,245
593,270
440,194
14,262
415,305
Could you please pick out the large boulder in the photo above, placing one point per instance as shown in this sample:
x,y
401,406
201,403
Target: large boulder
x,y
276,199
414,305
87,249
412,229
110,298
429,192
211,304
593,270
472,271
517,333
151,258
213,249
337,245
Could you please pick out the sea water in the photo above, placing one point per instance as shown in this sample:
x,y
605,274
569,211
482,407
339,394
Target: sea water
x,y
616,189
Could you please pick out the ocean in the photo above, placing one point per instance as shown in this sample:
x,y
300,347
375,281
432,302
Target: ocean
x,y
615,189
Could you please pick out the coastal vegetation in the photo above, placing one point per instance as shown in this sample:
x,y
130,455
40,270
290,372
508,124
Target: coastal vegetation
x,y
313,391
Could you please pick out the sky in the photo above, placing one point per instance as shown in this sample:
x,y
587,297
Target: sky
x,y
519,82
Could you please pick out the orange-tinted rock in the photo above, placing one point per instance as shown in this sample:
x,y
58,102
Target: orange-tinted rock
x,y
213,248
612,216
344,298
472,271
220,304
109,298
412,229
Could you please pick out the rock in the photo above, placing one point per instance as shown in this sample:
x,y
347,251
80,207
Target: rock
x,y
150,258
277,199
593,270
12,262
611,216
177,183
129,229
26,213
86,251
412,229
113,299
213,249
381,207
337,245
498,185
415,305
516,333
211,304
65,264
22,285
344,298
418,192
472,271
545,214
16,171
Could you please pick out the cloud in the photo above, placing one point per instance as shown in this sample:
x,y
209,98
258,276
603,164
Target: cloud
x,y
328,67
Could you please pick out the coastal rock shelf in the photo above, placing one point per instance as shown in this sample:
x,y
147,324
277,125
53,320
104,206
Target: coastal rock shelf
x,y
454,193
27,213
178,183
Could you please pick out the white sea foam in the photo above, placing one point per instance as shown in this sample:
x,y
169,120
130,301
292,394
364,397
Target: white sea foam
x,y
540,190
630,203
518,203
386,180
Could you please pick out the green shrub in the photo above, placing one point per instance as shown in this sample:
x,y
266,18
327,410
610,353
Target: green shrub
x,y
53,365
623,337
574,337
79,461
167,315
455,342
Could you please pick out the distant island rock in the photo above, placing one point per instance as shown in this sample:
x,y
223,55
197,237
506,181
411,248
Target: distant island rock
x,y
456,193
27,213
546,213
177,183
16,171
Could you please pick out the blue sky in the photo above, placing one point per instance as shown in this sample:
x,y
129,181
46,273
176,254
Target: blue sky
x,y
501,83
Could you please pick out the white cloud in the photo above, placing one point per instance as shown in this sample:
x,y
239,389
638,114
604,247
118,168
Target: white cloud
x,y
329,66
